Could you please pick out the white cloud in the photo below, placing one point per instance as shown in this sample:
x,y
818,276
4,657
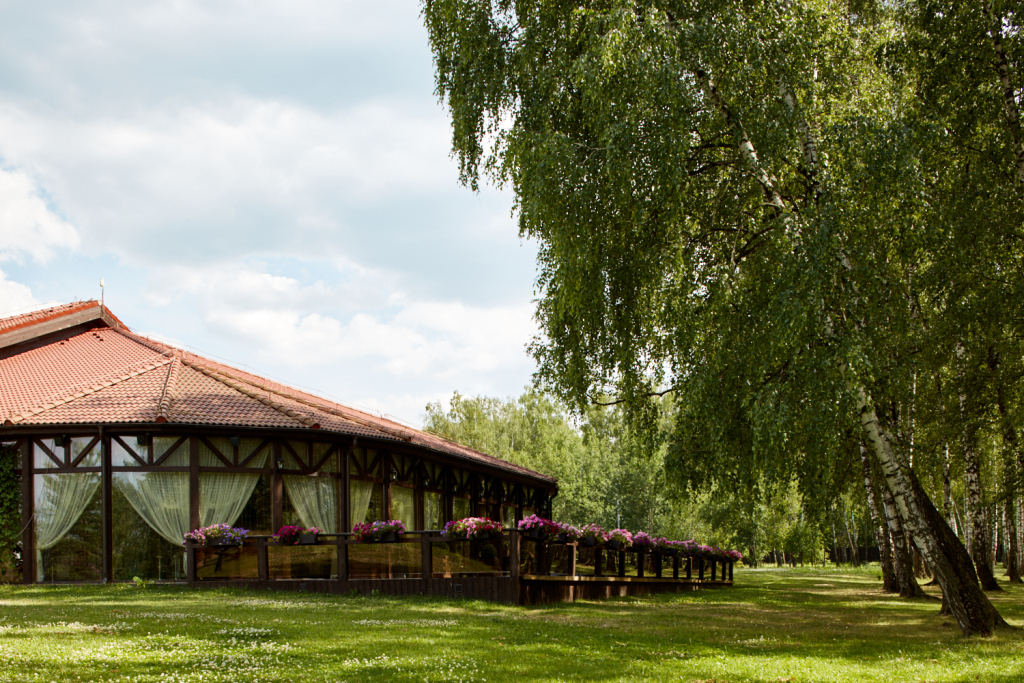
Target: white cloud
x,y
27,225
15,297
285,319
204,175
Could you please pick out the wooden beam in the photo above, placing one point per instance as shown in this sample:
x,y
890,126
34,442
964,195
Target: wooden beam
x,y
28,503
106,509
193,487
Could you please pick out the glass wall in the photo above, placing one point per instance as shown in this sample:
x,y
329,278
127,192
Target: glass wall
x,y
67,513
311,501
433,510
151,505
366,501
150,514
403,506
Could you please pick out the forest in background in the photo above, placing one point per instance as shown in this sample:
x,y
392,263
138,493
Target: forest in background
x,y
608,476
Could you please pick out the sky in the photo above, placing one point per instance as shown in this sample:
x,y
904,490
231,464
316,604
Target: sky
x,y
266,183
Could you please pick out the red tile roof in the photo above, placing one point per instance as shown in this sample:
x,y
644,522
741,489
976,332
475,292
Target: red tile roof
x,y
112,375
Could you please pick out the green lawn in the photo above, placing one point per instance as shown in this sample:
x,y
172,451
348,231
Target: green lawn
x,y
774,625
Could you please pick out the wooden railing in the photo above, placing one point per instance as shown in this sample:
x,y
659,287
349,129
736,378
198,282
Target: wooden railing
x,y
510,560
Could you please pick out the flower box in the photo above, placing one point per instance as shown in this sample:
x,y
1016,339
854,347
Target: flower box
x,y
534,534
386,531
471,528
588,541
389,537
614,545
217,535
297,535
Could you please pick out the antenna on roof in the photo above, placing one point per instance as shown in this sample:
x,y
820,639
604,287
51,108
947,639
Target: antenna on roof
x,y
101,293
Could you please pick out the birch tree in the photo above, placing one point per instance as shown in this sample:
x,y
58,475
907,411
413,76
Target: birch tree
x,y
729,207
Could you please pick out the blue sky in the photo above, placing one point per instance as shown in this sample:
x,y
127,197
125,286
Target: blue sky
x,y
268,183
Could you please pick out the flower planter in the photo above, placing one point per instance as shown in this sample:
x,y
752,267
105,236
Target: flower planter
x,y
588,541
482,536
614,545
562,538
222,542
534,534
308,539
389,537
668,552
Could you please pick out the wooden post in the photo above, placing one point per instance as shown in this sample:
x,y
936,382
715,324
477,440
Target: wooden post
x,y
28,504
106,508
598,561
570,549
346,512
714,570
730,570
513,563
193,489
262,563
190,562
657,564
700,568
622,562
640,557
427,561
675,567
689,567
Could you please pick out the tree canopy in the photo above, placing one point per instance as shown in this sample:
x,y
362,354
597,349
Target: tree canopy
x,y
802,219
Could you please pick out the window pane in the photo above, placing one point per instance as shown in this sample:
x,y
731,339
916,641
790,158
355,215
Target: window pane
x,y
40,458
403,506
79,443
433,510
139,550
67,527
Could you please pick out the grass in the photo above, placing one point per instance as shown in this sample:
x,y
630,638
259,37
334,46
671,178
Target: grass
x,y
774,625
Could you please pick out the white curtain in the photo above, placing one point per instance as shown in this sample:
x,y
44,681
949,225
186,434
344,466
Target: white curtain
x,y
360,492
403,505
160,498
60,501
315,499
223,495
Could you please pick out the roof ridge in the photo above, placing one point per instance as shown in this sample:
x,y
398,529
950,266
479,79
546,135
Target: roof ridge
x,y
103,383
234,384
151,344
52,312
170,384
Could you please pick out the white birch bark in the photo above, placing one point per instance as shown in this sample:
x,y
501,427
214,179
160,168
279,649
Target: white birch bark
x,y
995,31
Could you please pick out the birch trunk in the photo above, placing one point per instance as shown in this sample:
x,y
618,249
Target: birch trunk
x,y
995,31
929,532
947,490
903,563
1010,550
980,535
854,555
889,582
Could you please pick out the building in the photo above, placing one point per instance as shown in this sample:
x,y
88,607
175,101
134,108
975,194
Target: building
x,y
126,443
